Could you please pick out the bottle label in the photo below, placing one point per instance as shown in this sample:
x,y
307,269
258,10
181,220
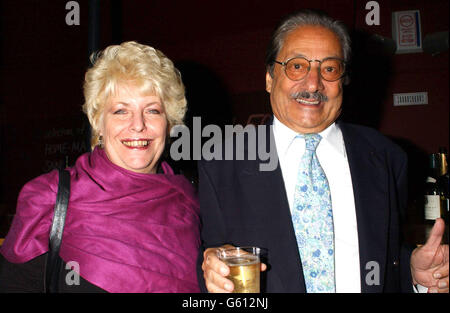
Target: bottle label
x,y
432,207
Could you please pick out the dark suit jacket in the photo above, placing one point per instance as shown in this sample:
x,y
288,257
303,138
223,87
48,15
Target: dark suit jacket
x,y
241,205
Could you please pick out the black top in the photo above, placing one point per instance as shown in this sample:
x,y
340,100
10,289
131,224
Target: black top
x,y
30,277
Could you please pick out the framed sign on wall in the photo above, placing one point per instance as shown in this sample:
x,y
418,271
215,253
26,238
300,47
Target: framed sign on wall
x,y
406,31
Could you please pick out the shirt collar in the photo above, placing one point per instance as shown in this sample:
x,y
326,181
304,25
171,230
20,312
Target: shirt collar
x,y
284,136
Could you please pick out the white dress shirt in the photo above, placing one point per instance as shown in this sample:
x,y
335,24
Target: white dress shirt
x,y
333,159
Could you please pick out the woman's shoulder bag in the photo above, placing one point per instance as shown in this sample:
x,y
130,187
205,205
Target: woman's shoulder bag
x,y
53,259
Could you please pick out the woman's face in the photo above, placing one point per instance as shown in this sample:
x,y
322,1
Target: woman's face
x,y
134,129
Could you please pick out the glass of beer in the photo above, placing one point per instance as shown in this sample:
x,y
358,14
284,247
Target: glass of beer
x,y
244,264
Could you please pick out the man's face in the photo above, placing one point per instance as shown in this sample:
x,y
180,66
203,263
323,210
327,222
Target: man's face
x,y
302,114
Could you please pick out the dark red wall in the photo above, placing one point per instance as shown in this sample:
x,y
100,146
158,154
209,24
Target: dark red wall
x,y
219,47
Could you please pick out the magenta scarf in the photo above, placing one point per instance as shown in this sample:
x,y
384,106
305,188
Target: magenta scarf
x,y
129,232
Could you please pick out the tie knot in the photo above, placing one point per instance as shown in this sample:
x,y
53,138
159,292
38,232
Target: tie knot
x,y
312,141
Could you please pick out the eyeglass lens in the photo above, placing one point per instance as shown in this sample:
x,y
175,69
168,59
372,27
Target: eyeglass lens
x,y
330,69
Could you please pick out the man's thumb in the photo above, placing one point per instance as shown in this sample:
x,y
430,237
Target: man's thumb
x,y
435,238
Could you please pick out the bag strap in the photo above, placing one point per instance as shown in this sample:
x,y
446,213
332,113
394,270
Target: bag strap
x,y
56,232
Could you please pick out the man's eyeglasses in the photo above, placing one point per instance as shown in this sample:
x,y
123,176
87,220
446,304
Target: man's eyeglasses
x,y
330,69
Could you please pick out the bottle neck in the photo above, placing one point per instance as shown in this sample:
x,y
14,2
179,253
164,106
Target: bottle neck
x,y
443,164
433,166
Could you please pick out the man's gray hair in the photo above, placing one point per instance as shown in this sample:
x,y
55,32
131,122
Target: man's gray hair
x,y
303,18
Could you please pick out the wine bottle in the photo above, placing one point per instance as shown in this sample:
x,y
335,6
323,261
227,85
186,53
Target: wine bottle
x,y
432,193
443,183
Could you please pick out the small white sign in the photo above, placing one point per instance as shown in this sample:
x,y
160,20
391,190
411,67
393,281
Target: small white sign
x,y
412,98
406,31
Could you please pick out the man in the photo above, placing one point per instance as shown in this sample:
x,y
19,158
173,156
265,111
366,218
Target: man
x,y
328,216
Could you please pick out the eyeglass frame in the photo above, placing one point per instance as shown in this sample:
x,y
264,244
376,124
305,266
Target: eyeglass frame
x,y
309,67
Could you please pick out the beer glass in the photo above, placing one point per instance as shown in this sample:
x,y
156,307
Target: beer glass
x,y
244,264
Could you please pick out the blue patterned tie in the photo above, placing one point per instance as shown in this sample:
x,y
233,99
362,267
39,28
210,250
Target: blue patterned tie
x,y
312,217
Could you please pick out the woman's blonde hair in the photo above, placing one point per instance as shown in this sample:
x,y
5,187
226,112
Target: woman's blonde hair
x,y
144,67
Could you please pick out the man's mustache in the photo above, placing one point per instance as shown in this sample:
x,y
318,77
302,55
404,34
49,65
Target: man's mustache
x,y
310,95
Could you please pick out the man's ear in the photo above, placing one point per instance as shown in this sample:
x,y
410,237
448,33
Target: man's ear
x,y
269,81
346,80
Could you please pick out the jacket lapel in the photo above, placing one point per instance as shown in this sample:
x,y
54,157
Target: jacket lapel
x,y
370,189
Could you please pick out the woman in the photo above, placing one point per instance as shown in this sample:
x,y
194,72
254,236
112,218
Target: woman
x,y
131,224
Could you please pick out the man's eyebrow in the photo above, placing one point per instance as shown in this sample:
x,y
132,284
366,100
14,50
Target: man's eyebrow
x,y
298,55
304,56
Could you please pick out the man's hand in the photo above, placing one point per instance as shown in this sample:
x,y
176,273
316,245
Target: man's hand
x,y
215,271
429,263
